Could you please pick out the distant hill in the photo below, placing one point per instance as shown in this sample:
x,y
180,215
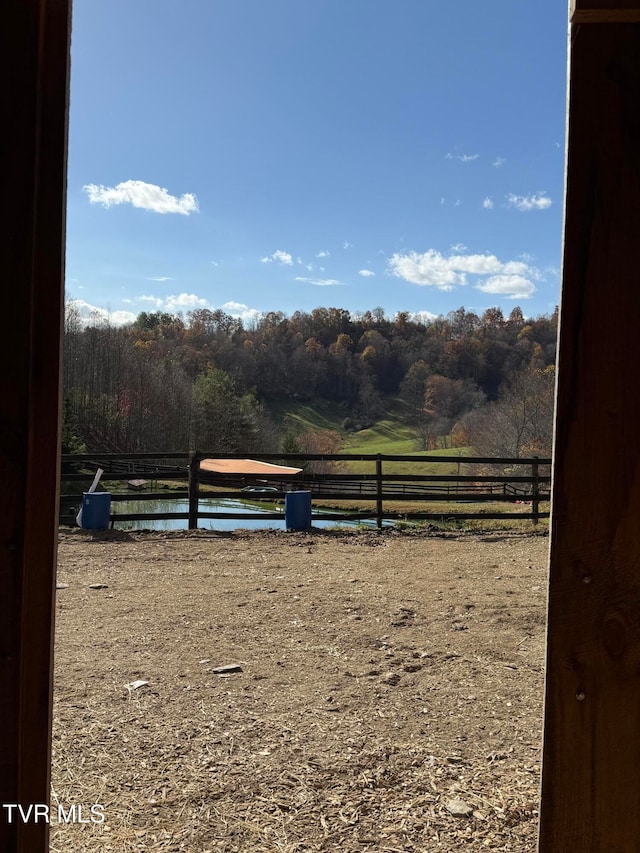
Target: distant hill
x,y
391,433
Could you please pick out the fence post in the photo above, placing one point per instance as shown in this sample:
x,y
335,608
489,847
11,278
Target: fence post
x,y
194,485
535,490
379,491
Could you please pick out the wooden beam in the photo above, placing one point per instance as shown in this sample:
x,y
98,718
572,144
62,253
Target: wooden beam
x,y
604,11
34,58
591,758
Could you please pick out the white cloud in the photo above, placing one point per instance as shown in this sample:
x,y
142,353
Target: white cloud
x,y
499,161
458,247
173,303
323,253
160,278
539,201
143,195
487,203
463,158
366,273
184,302
92,315
424,317
242,311
121,318
319,282
475,264
511,286
430,268
521,268
279,256
347,245
153,300
511,278
215,263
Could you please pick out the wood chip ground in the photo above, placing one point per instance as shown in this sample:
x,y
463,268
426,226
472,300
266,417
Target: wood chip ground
x,y
383,676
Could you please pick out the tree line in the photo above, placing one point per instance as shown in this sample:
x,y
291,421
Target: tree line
x,y
205,379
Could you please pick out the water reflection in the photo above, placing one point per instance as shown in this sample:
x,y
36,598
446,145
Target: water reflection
x,y
214,505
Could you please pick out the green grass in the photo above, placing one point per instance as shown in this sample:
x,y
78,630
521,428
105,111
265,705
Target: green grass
x,y
312,414
391,434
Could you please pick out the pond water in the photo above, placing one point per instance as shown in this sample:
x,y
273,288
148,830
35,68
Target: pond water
x,y
216,505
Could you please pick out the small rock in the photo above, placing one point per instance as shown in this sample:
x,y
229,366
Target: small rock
x,y
227,669
136,685
497,756
62,586
458,808
391,678
98,586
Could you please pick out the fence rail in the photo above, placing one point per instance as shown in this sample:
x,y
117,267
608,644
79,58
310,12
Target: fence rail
x,y
374,489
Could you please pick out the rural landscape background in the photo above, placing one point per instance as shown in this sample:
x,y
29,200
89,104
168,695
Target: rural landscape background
x,y
316,382
275,213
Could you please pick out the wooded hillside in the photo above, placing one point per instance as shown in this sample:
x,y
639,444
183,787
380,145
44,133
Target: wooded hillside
x,y
204,379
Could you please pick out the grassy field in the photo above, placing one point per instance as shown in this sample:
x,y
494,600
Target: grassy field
x,y
313,414
391,434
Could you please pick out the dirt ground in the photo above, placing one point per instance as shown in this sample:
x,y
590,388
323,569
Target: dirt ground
x,y
388,694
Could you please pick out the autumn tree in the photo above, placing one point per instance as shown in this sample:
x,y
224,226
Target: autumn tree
x,y
413,386
324,441
449,400
132,387
227,420
415,391
520,422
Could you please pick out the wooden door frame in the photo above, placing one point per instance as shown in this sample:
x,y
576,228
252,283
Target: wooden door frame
x,y
34,57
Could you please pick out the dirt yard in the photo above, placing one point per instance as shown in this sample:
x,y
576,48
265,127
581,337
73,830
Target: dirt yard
x,y
388,692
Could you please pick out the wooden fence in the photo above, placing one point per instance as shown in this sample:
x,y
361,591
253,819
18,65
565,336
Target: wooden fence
x,y
497,483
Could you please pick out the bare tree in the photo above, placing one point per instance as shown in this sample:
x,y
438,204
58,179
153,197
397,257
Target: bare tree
x,y
520,422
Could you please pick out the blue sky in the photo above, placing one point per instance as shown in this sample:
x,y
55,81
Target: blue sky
x,y
284,155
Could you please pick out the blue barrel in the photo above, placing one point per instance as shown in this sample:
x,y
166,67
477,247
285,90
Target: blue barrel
x,y
96,508
297,510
